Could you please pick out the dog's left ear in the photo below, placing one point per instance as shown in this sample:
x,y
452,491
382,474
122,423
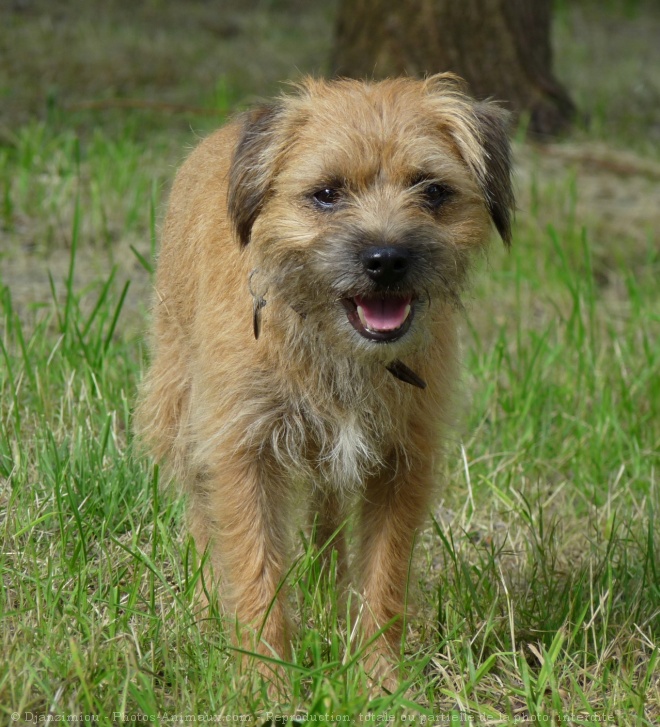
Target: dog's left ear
x,y
493,127
252,168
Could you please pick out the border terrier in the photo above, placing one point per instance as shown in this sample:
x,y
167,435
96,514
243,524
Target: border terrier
x,y
308,293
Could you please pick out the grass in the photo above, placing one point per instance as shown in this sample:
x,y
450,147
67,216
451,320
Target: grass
x,y
535,591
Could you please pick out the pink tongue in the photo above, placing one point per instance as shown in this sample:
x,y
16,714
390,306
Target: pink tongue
x,y
383,314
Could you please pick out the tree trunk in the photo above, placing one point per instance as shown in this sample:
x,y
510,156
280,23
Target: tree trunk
x,y
500,47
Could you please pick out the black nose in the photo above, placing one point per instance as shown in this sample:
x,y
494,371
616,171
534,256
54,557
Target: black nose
x,y
386,265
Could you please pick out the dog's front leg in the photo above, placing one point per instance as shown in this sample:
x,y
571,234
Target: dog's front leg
x,y
248,547
394,507
328,521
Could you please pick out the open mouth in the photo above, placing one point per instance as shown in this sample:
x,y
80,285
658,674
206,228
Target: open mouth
x,y
382,318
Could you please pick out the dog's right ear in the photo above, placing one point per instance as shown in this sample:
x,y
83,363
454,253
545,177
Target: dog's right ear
x,y
252,168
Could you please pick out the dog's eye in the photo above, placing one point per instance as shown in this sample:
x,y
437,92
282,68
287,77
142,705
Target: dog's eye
x,y
327,197
436,195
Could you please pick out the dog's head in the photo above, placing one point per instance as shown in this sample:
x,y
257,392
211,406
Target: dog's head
x,y
363,203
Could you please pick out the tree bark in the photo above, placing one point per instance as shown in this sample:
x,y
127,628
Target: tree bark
x,y
500,47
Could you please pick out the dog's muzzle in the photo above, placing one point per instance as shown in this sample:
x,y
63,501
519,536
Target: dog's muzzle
x,y
383,318
385,314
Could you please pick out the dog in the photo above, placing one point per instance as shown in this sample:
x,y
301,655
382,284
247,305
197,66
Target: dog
x,y
305,331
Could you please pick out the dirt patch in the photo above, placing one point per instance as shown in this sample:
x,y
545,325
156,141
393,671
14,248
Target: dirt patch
x,y
614,196
196,53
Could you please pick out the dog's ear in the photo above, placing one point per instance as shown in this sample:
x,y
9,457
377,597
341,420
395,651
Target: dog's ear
x,y
480,130
252,168
495,180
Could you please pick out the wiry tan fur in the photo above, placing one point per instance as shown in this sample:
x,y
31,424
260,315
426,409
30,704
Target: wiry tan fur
x,y
243,424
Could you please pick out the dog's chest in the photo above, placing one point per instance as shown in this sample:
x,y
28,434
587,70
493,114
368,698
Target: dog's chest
x,y
348,451
339,444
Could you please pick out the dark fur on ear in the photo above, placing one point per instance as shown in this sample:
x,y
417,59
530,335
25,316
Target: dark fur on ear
x,y
252,168
492,123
